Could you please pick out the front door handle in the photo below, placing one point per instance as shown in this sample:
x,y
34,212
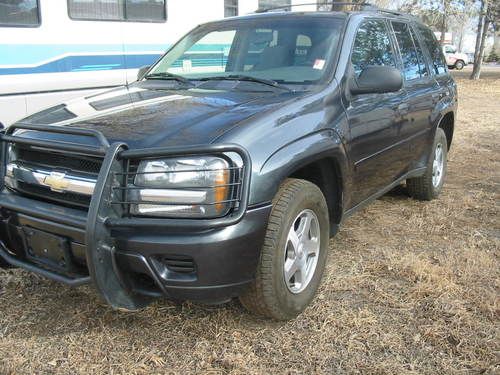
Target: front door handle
x,y
403,109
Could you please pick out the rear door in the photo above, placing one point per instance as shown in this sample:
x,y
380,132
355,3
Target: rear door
x,y
419,86
374,119
437,63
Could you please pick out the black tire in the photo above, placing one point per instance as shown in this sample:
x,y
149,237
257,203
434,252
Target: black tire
x,y
423,188
4,264
459,65
269,296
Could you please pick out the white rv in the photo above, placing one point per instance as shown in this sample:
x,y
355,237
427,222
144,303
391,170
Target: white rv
x,y
55,50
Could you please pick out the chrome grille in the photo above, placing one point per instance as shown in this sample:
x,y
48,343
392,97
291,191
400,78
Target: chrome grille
x,y
44,193
66,179
70,162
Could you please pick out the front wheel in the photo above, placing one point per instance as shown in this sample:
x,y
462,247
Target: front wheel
x,y
294,253
428,186
4,264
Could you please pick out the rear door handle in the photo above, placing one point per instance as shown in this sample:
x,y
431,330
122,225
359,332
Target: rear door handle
x,y
438,95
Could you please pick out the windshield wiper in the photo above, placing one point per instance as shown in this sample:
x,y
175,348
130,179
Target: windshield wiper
x,y
242,77
169,76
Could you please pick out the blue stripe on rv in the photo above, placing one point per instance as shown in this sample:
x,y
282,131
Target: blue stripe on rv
x,y
85,58
111,62
86,63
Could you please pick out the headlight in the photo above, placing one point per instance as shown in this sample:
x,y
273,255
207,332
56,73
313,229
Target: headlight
x,y
187,187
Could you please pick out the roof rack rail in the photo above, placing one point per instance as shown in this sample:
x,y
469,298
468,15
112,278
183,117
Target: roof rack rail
x,y
390,11
334,5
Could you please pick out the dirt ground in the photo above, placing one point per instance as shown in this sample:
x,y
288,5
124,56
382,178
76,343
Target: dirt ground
x,y
411,287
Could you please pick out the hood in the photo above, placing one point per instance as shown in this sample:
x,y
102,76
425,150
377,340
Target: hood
x,y
147,115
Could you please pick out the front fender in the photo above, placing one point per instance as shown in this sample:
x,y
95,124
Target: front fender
x,y
294,156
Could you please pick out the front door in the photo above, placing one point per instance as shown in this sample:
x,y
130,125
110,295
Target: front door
x,y
374,119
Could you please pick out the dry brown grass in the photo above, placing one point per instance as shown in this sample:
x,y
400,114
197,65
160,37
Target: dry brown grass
x,y
411,287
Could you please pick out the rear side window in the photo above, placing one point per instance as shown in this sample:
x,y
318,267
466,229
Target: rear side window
x,y
411,68
24,13
430,41
372,46
424,70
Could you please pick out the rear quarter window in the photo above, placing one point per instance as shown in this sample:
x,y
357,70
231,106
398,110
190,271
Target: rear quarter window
x,y
435,51
411,67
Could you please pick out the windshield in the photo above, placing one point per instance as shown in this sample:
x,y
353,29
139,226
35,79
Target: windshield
x,y
285,51
450,49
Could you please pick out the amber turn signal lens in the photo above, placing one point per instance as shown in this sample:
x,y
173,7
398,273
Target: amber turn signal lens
x,y
221,190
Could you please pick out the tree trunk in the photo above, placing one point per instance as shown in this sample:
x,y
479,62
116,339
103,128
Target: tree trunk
x,y
482,30
343,7
476,72
338,7
461,38
478,35
443,22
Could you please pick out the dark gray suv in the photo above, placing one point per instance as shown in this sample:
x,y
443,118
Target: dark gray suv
x,y
226,168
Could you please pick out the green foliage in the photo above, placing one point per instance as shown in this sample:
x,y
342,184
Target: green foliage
x,y
493,56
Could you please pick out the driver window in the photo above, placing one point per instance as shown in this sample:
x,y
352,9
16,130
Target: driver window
x,y
303,46
259,41
372,46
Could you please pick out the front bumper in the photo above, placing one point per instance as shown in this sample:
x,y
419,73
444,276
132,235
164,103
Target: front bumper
x,y
224,258
131,260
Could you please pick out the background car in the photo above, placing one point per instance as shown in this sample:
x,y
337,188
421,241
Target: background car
x,y
454,59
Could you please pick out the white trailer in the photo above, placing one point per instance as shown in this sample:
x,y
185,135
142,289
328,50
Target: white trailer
x,y
55,50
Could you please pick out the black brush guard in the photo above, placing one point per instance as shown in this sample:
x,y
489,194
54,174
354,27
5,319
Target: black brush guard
x,y
103,215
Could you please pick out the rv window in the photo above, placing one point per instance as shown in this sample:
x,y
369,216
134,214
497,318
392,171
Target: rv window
x,y
118,10
265,4
145,10
230,8
95,10
24,13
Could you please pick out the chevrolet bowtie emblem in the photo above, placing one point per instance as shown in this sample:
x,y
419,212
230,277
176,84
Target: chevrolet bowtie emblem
x,y
56,181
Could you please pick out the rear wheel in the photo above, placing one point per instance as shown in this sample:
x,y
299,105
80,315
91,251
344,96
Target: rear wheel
x,y
459,65
294,253
428,186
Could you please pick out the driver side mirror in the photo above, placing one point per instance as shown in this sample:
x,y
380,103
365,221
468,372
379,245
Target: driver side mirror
x,y
376,80
142,72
